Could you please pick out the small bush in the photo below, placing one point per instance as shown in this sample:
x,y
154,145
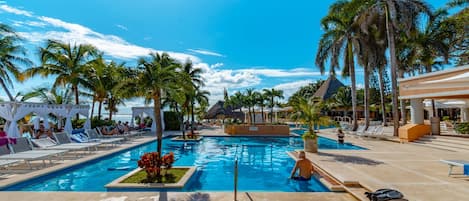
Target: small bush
x,y
95,122
462,128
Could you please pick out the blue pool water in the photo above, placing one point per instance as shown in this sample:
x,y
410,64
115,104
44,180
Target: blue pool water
x,y
263,166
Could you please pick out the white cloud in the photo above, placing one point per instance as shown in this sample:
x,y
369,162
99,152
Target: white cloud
x,y
110,44
206,52
16,11
291,87
282,73
121,27
216,65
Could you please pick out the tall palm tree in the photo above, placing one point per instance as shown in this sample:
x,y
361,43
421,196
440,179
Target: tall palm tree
x,y
400,17
195,81
201,97
11,55
68,62
155,75
271,94
249,101
339,40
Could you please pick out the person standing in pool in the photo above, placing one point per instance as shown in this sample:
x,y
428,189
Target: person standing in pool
x,y
305,166
340,136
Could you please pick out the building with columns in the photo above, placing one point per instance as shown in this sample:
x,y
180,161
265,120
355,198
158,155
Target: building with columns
x,y
447,88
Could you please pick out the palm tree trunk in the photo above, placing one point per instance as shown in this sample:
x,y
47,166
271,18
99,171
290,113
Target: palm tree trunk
x,y
192,116
402,103
6,90
157,114
272,110
392,52
262,114
381,93
99,109
353,87
367,97
92,108
77,101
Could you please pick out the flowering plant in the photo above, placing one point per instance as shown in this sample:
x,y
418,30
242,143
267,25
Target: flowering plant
x,y
152,163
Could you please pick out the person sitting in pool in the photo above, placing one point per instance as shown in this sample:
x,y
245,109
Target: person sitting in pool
x,y
305,166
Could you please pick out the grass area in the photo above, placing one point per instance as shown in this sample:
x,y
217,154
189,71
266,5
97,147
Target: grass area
x,y
173,175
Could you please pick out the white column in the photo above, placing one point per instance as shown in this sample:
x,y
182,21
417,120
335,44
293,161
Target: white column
x,y
416,111
464,114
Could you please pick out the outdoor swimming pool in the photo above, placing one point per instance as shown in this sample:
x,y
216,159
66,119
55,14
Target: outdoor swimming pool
x,y
263,166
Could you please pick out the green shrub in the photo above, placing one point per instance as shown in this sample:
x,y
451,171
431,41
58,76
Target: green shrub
x,y
95,122
462,128
446,118
78,123
171,121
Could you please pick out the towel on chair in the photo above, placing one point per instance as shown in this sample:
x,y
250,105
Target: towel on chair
x,y
466,169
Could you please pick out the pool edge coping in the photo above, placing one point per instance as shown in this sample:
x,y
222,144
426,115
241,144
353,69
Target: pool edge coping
x,y
74,162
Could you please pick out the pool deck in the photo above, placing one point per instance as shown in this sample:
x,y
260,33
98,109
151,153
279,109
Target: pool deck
x,y
414,170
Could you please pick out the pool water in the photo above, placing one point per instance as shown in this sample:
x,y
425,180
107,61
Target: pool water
x,y
263,166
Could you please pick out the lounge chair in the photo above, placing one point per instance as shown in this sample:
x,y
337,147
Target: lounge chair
x,y
22,150
49,144
93,136
452,163
126,136
359,131
5,163
63,138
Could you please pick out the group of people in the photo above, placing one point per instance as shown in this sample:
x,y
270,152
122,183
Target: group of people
x,y
119,128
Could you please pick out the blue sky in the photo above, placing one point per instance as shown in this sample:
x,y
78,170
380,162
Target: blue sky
x,y
239,43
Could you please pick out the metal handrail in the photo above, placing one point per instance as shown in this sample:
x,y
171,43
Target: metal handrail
x,y
236,179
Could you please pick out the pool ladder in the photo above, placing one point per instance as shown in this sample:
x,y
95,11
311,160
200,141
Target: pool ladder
x,y
236,175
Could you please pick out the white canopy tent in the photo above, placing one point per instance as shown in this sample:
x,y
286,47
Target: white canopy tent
x,y
138,111
14,111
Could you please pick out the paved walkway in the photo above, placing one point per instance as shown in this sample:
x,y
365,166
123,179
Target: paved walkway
x,y
414,170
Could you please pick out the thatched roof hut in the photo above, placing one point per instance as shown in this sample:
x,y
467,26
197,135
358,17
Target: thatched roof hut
x,y
328,88
219,109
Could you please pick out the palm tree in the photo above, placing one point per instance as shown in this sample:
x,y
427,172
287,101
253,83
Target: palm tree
x,y
401,17
339,39
308,112
50,96
68,62
11,55
201,97
155,75
195,81
249,101
271,94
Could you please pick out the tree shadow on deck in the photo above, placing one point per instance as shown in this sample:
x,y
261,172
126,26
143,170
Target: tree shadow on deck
x,y
351,159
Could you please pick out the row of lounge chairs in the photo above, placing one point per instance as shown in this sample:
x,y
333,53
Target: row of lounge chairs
x,y
373,131
26,150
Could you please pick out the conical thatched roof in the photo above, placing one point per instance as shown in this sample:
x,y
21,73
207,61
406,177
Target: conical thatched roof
x,y
328,88
219,109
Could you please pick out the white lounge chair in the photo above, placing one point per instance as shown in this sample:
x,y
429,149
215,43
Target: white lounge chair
x,y
453,163
64,138
94,137
22,150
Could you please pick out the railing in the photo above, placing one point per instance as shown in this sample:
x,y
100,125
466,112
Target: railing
x,y
236,179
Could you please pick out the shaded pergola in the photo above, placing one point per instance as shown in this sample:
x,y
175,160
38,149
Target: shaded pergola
x,y
15,111
448,87
139,111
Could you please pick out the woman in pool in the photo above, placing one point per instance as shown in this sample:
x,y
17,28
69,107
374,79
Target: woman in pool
x,y
305,166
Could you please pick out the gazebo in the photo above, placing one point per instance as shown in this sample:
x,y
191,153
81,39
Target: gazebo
x,y
445,87
139,111
14,111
